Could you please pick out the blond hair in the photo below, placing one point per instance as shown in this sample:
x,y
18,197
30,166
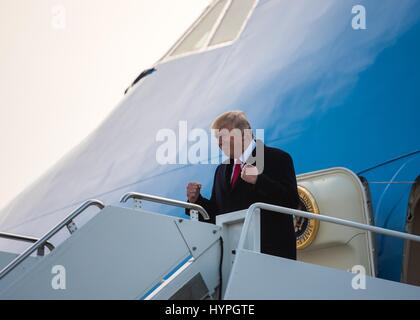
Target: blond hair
x,y
231,119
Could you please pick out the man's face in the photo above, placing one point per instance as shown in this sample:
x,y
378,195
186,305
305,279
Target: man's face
x,y
231,142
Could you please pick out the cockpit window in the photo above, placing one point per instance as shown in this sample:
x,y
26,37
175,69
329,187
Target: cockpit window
x,y
233,21
221,24
200,35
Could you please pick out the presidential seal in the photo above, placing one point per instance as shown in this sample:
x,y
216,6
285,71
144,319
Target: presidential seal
x,y
306,229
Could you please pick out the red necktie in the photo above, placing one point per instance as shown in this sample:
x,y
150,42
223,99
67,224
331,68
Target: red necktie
x,y
236,173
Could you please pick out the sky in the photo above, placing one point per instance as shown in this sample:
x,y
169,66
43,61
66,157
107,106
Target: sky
x,y
64,65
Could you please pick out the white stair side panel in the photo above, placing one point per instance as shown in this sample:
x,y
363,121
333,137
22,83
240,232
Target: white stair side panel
x,y
260,276
120,254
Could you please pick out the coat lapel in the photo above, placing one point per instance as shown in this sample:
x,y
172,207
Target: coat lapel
x,y
225,176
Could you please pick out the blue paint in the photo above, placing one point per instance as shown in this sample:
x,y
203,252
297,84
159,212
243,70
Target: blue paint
x,y
166,277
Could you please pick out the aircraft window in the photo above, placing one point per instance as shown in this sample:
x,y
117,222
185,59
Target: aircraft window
x,y
199,36
233,21
221,24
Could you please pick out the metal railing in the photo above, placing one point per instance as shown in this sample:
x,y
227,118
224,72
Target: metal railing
x,y
170,202
19,237
42,241
269,207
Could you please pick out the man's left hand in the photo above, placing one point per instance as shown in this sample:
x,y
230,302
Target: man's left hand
x,y
249,173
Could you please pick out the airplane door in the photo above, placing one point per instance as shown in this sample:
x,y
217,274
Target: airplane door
x,y
339,193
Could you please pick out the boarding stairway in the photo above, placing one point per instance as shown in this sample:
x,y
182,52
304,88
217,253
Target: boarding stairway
x,y
131,253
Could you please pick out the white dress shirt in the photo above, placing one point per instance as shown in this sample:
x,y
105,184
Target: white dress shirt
x,y
244,156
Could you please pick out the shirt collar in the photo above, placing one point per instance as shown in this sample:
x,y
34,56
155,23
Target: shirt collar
x,y
248,151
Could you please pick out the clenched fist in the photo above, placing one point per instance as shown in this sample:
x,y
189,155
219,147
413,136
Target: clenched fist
x,y
193,191
249,173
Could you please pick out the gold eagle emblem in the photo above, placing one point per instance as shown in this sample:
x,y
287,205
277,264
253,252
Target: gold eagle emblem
x,y
306,229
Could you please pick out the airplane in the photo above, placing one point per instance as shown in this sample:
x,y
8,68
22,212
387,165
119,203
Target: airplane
x,y
334,83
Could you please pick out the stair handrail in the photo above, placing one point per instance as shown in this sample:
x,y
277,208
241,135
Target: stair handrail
x,y
23,238
167,201
367,227
40,242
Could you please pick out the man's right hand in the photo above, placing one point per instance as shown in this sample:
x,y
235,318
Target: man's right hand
x,y
193,191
